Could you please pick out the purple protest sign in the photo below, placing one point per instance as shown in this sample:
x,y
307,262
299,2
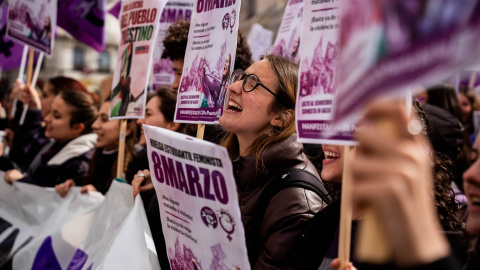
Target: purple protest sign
x,y
318,77
389,45
33,23
287,43
163,74
10,51
212,43
84,20
139,22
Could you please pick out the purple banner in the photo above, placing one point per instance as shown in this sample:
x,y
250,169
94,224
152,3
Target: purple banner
x,y
10,51
84,20
388,46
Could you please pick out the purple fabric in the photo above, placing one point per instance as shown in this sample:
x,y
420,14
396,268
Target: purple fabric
x,y
84,20
45,258
78,260
115,10
10,51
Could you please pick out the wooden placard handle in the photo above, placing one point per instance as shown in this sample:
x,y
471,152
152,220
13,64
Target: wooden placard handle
x,y
121,148
200,131
346,207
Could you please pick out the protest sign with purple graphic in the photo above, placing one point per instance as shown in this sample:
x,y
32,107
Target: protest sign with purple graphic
x,y
10,51
198,201
287,43
387,46
318,76
33,22
163,74
84,20
212,43
139,22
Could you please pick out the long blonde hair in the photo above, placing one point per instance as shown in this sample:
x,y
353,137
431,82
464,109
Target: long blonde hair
x,y
286,72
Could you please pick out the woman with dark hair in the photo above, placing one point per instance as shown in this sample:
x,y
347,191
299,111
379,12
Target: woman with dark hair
x,y
103,165
69,125
260,119
30,137
444,96
468,104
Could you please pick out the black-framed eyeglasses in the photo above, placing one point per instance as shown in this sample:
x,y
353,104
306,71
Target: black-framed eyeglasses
x,y
250,81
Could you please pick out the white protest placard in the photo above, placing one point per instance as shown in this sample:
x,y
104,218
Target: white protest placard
x,y
259,40
163,75
198,201
288,41
208,63
33,22
139,22
318,76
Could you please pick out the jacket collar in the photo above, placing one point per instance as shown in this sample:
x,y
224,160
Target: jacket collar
x,y
74,148
277,157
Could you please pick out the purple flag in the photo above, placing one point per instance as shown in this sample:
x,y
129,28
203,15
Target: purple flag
x,y
84,20
115,10
10,51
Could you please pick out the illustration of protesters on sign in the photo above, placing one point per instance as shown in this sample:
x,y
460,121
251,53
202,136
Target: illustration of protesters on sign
x,y
39,33
32,23
214,89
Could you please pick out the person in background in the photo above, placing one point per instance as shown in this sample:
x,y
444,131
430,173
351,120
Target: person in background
x,y
468,104
69,125
30,139
103,165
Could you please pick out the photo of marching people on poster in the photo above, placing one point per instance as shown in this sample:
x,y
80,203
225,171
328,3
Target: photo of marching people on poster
x,y
163,74
402,43
318,76
33,23
198,202
139,22
212,42
288,41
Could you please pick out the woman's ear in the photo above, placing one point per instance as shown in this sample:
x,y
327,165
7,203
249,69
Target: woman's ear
x,y
78,128
173,126
281,119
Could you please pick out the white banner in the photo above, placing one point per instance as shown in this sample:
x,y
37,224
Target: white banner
x,y
41,230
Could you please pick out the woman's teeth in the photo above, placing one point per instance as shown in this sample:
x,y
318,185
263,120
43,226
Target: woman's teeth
x,y
331,155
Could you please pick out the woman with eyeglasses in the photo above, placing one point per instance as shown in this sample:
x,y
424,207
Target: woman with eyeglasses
x,y
259,117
